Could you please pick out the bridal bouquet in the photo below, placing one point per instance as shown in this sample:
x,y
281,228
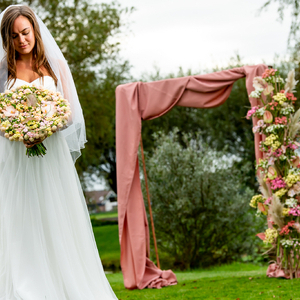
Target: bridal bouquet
x,y
279,170
30,113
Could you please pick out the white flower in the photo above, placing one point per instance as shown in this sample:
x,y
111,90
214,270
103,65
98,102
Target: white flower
x,y
273,128
287,110
10,111
291,202
259,83
255,94
291,193
260,112
286,242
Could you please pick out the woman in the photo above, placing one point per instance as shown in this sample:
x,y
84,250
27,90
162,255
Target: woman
x,y
47,247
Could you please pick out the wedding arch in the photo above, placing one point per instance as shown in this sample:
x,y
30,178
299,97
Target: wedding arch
x,y
144,101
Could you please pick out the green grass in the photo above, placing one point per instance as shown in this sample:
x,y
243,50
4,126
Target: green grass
x,y
106,215
107,240
236,281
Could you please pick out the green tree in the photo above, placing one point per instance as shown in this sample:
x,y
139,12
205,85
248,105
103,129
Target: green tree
x,y
87,33
200,203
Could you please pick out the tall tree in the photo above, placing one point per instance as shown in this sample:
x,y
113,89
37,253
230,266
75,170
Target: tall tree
x,y
87,33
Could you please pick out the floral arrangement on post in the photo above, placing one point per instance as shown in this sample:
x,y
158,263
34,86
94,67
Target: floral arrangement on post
x,y
31,114
279,170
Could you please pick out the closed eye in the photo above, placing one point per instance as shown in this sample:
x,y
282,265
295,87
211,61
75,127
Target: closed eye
x,y
23,33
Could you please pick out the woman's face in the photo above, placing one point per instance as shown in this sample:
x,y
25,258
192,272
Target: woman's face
x,y
23,36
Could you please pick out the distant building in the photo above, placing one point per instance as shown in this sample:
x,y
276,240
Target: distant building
x,y
99,201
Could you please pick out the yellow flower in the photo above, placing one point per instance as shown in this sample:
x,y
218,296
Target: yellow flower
x,y
19,107
291,179
280,98
5,124
280,192
275,145
271,234
16,136
272,140
255,199
285,211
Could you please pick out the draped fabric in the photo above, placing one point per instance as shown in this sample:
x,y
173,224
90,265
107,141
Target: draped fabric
x,y
144,101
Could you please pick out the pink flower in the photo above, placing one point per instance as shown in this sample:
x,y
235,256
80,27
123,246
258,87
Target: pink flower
x,y
292,146
277,183
251,112
268,73
255,129
285,229
260,123
295,211
291,96
282,120
277,153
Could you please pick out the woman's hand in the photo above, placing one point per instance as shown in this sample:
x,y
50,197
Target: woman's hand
x,y
30,144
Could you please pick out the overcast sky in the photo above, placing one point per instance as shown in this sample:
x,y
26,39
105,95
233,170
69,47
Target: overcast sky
x,y
200,34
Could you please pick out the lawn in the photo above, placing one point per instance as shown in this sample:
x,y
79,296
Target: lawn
x,y
106,215
236,281
107,240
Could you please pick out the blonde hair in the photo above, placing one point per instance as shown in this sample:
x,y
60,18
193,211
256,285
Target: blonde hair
x,y
38,51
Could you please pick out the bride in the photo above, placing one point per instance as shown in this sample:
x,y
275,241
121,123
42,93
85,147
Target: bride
x,y
47,246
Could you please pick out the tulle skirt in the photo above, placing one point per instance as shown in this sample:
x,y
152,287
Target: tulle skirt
x,y
47,246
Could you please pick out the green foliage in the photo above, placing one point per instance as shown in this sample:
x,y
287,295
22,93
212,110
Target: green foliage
x,y
87,33
99,222
200,205
104,218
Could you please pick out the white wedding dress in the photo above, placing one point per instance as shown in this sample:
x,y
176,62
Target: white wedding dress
x,y
47,246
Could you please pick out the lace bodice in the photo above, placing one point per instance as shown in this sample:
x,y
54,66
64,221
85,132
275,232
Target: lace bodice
x,y
49,83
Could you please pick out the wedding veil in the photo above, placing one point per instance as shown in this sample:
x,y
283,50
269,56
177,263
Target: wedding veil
x,y
74,133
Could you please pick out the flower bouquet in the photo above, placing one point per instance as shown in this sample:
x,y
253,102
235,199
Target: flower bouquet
x,y
31,114
279,171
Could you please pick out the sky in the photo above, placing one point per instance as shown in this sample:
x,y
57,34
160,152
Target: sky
x,y
199,35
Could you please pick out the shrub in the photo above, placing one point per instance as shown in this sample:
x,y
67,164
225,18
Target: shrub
x,y
200,206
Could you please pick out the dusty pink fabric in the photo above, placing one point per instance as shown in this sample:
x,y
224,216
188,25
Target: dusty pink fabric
x,y
275,271
137,101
